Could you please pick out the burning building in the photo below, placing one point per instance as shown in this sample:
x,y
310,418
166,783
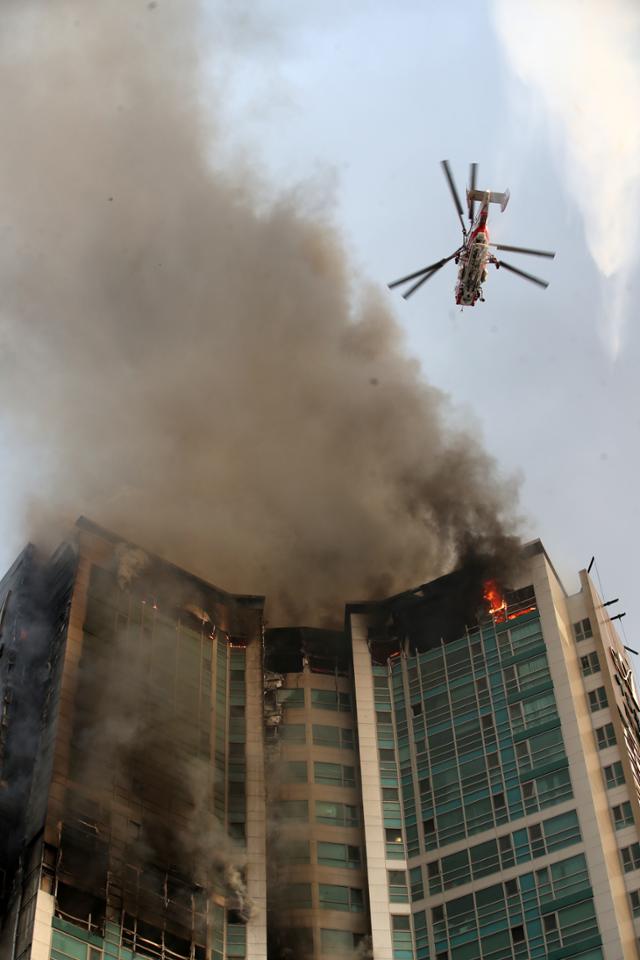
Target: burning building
x,y
453,776
498,744
132,795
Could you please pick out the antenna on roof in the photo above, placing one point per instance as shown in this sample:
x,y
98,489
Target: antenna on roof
x,y
591,562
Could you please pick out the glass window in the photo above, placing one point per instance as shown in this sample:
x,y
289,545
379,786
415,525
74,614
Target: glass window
x,y
634,896
532,671
561,831
582,629
292,698
394,843
630,857
613,775
330,700
568,876
605,736
398,892
622,815
455,869
335,897
324,699
589,664
338,855
336,814
416,885
334,774
330,736
338,941
598,699
538,709
484,859
66,946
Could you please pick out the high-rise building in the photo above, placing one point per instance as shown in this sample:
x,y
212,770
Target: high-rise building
x,y
499,765
454,776
132,797
317,879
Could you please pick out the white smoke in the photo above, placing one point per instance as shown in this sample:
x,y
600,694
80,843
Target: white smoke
x,y
580,58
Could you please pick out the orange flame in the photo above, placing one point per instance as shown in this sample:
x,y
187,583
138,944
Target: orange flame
x,y
498,605
521,613
495,600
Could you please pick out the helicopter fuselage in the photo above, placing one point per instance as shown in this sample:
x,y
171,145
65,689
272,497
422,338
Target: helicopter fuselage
x,y
473,261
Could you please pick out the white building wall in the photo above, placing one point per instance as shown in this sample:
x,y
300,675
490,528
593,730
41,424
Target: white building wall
x,y
256,826
42,926
372,797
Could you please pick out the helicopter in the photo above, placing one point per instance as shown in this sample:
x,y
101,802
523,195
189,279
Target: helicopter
x,y
474,256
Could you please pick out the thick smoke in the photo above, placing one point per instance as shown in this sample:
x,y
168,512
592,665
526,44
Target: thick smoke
x,y
580,57
191,366
131,739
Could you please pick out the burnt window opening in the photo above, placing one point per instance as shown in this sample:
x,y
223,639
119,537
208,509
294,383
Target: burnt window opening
x,y
177,945
148,933
291,649
83,854
236,917
237,831
77,906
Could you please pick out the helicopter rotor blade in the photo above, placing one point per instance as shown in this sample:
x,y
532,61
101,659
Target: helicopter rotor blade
x,y
418,273
473,175
428,270
521,273
416,286
536,253
454,193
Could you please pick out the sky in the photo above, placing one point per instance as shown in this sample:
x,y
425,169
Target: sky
x,y
357,105
348,110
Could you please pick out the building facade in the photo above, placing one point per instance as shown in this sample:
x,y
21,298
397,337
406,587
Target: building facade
x,y
454,776
141,827
499,774
317,879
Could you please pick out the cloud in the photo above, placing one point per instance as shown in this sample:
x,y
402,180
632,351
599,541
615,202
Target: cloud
x,y
580,59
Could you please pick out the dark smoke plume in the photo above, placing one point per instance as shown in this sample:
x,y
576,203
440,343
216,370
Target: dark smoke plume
x,y
189,365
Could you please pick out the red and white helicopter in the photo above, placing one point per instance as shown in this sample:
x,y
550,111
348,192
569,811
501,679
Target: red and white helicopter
x,y
474,256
